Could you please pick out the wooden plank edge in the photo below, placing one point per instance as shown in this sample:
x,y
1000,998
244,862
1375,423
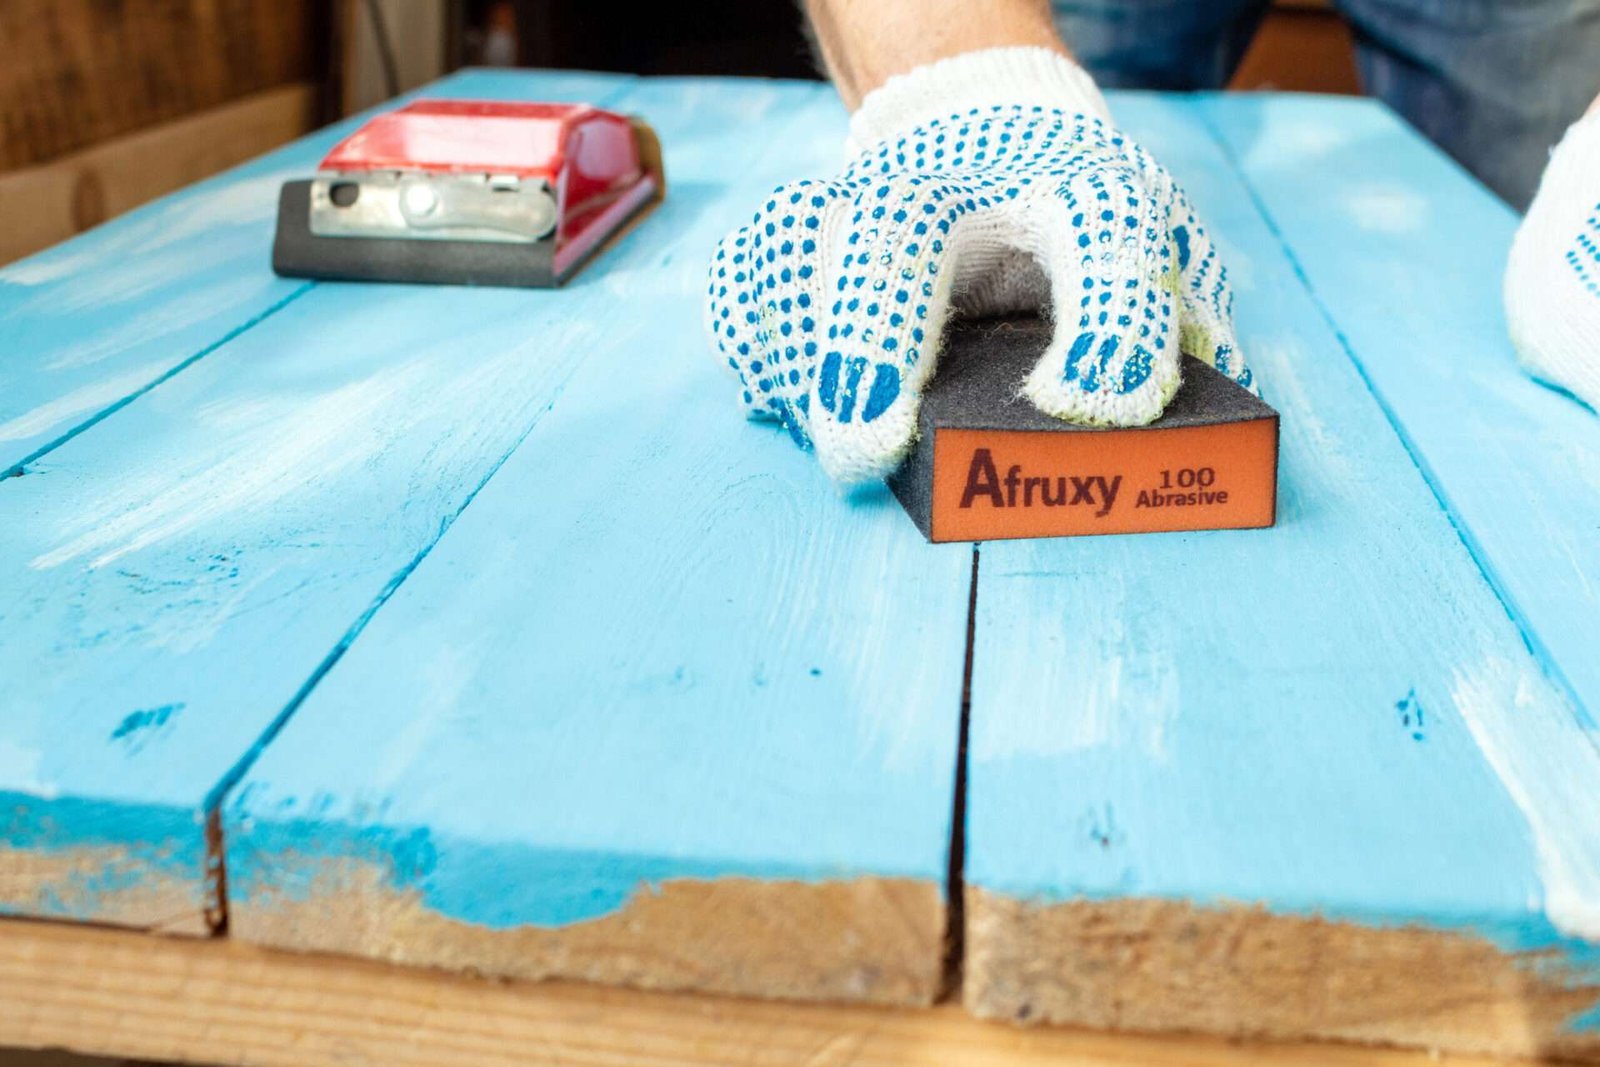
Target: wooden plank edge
x,y
116,993
42,205
147,867
1240,972
872,940
62,885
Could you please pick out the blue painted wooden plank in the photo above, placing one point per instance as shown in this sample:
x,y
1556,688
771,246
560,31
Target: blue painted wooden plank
x,y
1303,781
660,708
98,319
1415,288
173,577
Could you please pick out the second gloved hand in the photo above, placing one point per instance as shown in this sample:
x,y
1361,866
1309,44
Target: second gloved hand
x,y
1552,284
988,183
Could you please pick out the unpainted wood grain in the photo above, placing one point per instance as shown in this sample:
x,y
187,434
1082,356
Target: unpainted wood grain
x,y
873,940
71,881
1243,972
114,993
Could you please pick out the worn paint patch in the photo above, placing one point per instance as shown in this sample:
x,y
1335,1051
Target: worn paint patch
x,y
1280,359
496,885
1284,137
1119,671
21,769
60,412
870,939
1385,208
285,445
129,864
103,884
159,322
1550,765
1242,971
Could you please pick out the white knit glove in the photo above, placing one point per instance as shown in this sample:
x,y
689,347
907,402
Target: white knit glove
x,y
1553,276
990,182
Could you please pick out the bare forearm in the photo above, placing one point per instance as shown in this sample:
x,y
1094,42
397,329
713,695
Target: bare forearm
x,y
866,42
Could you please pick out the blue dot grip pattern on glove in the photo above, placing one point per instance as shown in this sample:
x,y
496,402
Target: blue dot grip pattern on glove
x,y
827,303
1584,256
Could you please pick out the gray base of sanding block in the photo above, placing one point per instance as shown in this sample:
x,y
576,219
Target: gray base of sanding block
x,y
989,465
299,253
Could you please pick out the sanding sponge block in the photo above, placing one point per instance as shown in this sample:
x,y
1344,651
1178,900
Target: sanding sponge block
x,y
987,465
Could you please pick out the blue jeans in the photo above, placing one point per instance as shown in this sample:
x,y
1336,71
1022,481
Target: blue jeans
x,y
1492,82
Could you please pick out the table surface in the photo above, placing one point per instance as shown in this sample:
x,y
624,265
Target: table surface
x,y
474,628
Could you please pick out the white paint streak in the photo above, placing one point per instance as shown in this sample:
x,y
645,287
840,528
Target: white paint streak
x,y
290,447
1118,687
1291,140
447,674
1550,766
93,397
316,440
1276,362
157,324
19,770
1386,209
184,632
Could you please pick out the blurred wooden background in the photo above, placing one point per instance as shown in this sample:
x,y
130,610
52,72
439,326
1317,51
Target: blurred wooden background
x,y
1302,46
105,104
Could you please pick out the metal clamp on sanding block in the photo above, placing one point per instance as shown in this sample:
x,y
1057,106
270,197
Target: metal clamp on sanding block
x,y
987,465
470,192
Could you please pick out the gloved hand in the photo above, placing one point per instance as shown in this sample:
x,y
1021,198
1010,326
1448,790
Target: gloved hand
x,y
990,182
1553,276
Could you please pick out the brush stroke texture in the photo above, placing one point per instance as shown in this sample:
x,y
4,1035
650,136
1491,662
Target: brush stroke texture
x,y
1350,723
209,543
657,645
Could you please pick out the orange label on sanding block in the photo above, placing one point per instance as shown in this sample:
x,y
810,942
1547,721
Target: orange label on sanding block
x,y
994,484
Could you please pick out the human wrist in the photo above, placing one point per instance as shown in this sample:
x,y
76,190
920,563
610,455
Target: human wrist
x,y
1027,76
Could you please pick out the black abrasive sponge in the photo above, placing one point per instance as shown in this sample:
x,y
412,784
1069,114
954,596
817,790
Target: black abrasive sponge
x,y
988,465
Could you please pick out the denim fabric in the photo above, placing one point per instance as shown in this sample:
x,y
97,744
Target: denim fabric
x,y
1495,83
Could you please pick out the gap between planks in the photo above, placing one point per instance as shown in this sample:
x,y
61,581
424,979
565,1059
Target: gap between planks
x,y
118,993
955,882
1469,540
215,917
20,468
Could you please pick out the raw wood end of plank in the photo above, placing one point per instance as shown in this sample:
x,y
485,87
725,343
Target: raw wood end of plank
x,y
871,940
1241,972
110,992
65,883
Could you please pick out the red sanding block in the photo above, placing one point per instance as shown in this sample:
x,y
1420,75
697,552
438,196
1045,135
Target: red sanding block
x,y
987,465
469,192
